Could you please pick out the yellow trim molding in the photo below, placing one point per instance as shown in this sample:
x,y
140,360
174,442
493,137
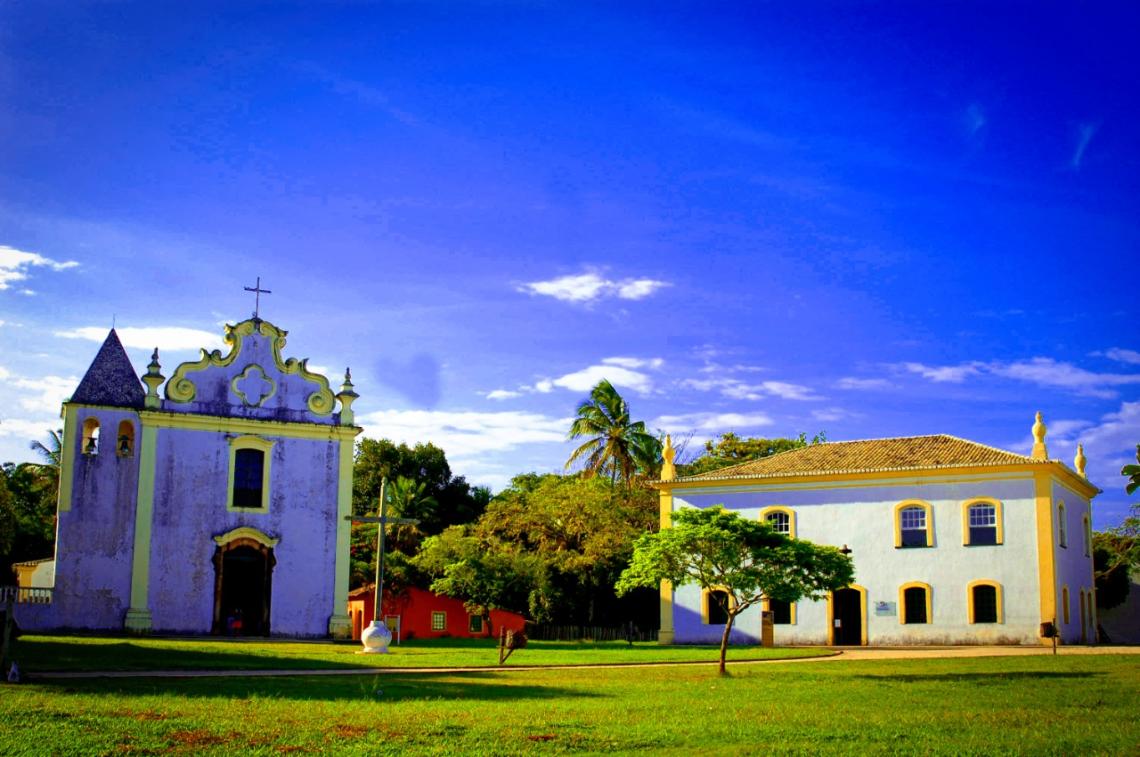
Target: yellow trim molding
x,y
1046,548
262,445
999,522
929,520
862,609
215,423
340,625
970,599
781,509
180,388
67,459
929,600
245,532
666,635
138,615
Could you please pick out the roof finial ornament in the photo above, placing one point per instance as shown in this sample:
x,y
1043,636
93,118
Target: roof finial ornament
x,y
346,396
153,378
258,291
1080,461
668,470
1039,451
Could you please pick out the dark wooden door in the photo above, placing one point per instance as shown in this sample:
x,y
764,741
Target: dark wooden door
x,y
243,603
848,617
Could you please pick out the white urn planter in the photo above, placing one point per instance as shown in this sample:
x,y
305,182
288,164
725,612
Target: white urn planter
x,y
375,638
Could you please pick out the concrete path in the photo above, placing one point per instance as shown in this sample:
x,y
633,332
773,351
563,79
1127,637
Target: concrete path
x,y
837,655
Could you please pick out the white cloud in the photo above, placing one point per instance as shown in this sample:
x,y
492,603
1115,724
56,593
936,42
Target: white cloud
x,y
714,422
502,394
1118,354
862,384
954,374
1085,133
463,433
149,337
634,362
587,378
42,395
27,429
15,265
833,414
739,390
591,286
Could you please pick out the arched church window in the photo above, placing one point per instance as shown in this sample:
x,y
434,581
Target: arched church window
x,y
125,444
90,443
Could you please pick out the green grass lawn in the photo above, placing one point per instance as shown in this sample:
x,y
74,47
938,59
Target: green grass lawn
x,y
1026,705
49,653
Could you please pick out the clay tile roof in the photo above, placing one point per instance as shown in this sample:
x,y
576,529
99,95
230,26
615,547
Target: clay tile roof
x,y
871,455
111,379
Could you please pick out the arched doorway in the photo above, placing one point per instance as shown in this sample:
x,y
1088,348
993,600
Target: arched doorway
x,y
847,614
243,582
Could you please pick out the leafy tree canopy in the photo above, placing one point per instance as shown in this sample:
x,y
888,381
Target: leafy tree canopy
x,y
731,449
747,559
1116,555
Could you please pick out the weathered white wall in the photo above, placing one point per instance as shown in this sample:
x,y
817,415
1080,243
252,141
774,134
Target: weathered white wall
x,y
862,517
1074,565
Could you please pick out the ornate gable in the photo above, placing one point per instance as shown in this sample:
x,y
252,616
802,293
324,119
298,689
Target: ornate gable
x,y
252,380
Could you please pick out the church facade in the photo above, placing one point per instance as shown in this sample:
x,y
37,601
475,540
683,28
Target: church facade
x,y
218,506
953,542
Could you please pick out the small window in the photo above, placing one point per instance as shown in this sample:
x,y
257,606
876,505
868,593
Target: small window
x,y
914,605
1065,603
1087,535
475,624
1062,537
90,444
982,522
439,621
249,467
912,525
985,603
780,521
781,612
716,607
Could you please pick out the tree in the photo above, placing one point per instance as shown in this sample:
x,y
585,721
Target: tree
x,y
615,445
1116,555
743,560
1132,472
731,449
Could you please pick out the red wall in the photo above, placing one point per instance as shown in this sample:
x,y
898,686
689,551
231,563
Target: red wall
x,y
415,607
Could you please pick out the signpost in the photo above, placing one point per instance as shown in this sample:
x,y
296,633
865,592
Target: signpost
x,y
377,637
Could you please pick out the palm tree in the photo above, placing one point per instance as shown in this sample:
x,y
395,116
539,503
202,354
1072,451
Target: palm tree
x,y
1133,474
408,498
615,445
47,472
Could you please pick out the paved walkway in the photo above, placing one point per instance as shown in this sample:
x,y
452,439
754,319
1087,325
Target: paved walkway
x,y
837,655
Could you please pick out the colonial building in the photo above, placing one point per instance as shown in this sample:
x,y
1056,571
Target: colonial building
x,y
953,542
217,506
420,614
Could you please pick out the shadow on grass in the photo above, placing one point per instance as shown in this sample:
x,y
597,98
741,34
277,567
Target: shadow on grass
x,y
472,686
979,678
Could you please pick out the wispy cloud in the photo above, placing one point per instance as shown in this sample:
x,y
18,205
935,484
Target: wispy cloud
x,y
1042,371
502,394
741,390
360,91
149,337
1119,354
15,265
1085,132
592,286
40,395
711,422
974,118
834,414
622,372
464,433
862,384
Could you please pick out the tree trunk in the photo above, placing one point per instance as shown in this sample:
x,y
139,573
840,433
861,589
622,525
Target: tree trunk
x,y
724,641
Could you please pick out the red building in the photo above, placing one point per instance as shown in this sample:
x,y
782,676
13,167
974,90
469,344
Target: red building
x,y
419,614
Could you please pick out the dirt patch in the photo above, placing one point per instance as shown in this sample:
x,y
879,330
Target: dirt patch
x,y
197,739
348,730
541,737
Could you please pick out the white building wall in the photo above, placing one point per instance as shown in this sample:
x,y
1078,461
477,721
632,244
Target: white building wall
x,y
862,517
1074,564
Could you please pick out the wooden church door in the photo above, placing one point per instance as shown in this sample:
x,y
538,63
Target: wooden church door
x,y
243,588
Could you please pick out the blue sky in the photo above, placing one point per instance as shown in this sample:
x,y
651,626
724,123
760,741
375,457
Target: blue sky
x,y
867,219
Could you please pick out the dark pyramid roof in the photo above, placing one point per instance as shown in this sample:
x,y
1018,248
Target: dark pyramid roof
x,y
111,379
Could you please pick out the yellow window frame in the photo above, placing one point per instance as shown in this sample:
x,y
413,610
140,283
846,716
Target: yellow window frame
x,y
781,509
705,598
998,516
766,606
929,520
250,442
929,602
997,599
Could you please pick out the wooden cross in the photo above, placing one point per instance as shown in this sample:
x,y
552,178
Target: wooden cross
x,y
258,291
383,520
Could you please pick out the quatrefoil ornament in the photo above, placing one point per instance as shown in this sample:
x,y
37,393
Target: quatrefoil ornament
x,y
253,386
